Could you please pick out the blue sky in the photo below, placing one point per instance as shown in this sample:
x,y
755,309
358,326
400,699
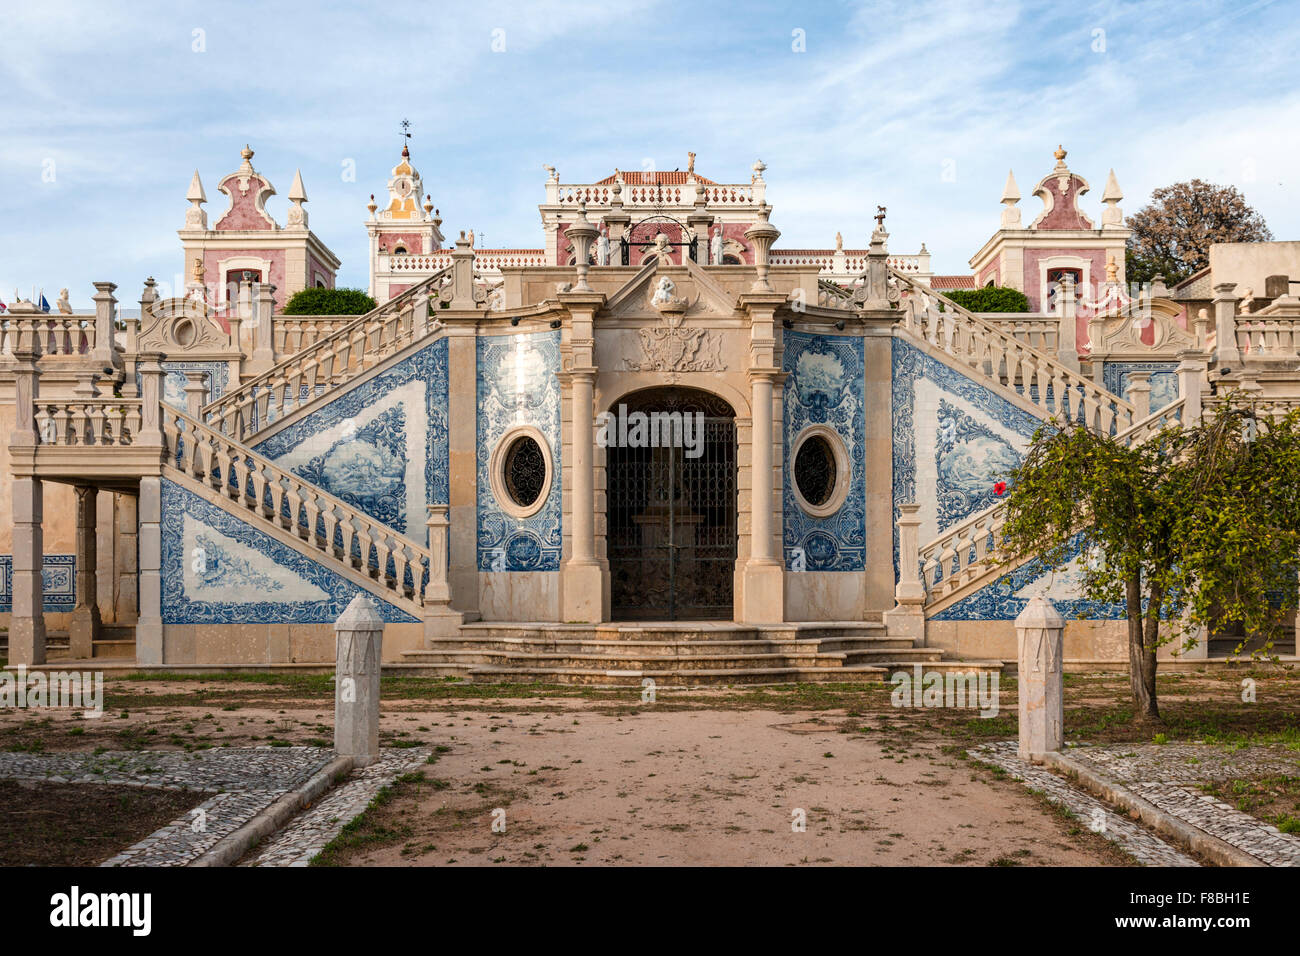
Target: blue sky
x,y
919,106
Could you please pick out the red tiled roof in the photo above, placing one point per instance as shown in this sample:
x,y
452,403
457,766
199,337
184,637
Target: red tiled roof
x,y
647,178
952,282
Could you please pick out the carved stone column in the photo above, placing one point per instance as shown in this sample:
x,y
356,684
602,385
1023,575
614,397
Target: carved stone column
x,y
1139,393
907,619
105,322
84,625
1067,349
584,584
27,622
440,621
149,625
196,393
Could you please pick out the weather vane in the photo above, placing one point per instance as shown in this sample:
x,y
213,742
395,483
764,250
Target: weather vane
x,y
406,128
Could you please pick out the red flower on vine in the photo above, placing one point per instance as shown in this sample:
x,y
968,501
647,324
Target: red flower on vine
x,y
1000,488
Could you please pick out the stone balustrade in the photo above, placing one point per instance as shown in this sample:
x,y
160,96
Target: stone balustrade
x,y
326,363
88,422
990,350
1267,337
328,524
969,550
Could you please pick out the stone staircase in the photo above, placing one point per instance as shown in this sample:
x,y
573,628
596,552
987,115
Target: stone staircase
x,y
115,642
676,654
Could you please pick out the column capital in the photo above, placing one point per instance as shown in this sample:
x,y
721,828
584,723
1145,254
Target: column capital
x,y
585,374
766,374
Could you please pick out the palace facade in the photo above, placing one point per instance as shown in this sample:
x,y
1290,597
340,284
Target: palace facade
x,y
812,484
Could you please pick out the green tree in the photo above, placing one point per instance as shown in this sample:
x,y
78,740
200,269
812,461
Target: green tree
x,y
1197,526
990,299
1173,233
329,302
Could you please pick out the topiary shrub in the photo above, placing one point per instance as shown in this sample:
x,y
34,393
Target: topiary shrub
x,y
329,302
990,299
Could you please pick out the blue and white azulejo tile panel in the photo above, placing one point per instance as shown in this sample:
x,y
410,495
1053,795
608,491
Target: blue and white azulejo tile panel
x,y
58,578
1006,597
824,386
1164,380
381,446
216,569
517,385
954,440
216,377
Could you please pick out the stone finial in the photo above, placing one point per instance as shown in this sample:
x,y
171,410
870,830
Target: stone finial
x,y
1060,155
1112,216
758,168
297,196
761,236
1010,196
195,216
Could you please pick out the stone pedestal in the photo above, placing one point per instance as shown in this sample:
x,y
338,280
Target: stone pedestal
x,y
440,621
907,617
359,638
1041,632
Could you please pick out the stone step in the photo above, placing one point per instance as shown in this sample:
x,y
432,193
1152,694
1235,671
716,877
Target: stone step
x,y
543,644
695,631
675,678
626,662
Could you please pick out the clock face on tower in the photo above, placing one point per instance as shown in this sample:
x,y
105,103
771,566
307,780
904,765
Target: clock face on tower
x,y
402,187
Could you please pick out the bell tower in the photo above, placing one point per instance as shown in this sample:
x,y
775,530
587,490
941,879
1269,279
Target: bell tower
x,y
402,229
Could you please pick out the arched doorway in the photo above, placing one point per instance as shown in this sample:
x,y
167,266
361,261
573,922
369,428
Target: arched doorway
x,y
670,466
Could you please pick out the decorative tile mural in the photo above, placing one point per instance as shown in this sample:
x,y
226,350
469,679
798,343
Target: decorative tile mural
x,y
216,569
824,386
381,446
517,385
1164,380
58,582
1006,597
218,374
954,439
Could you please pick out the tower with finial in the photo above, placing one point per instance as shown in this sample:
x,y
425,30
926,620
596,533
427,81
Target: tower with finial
x,y
401,227
247,239
1062,242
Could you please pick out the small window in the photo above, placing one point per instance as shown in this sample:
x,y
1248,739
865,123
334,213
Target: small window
x,y
399,250
524,471
730,260
815,471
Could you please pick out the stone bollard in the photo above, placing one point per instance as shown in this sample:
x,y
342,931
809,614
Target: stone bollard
x,y
1041,633
359,639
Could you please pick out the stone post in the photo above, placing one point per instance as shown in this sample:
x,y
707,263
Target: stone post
x,y
127,565
583,581
1067,347
462,275
907,619
151,392
196,392
761,236
359,640
420,316
105,319
1139,393
764,598
264,330
149,625
1225,326
440,621
1191,376
27,622
1041,631
84,625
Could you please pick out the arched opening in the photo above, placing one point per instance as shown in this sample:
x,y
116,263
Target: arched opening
x,y
670,464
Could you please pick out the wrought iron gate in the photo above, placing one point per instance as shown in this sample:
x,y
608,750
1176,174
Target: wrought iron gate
x,y
671,528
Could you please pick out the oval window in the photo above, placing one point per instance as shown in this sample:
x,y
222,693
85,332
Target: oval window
x,y
815,470
524,471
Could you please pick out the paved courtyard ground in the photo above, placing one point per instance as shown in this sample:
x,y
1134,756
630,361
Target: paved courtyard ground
x,y
591,776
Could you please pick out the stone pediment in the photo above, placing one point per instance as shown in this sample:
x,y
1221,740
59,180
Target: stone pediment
x,y
182,326
657,289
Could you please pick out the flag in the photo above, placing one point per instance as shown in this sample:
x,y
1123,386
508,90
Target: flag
x,y
45,306
2,305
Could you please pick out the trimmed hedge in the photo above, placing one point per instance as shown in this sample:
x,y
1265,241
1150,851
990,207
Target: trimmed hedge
x,y
329,302
990,299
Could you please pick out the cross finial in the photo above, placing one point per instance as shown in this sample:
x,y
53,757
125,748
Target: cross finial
x,y
406,128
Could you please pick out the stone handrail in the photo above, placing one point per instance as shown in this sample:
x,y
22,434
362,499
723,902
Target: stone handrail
x,y
969,549
48,333
485,260
293,333
1002,358
1268,336
1041,332
86,422
1271,406
325,364
329,525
